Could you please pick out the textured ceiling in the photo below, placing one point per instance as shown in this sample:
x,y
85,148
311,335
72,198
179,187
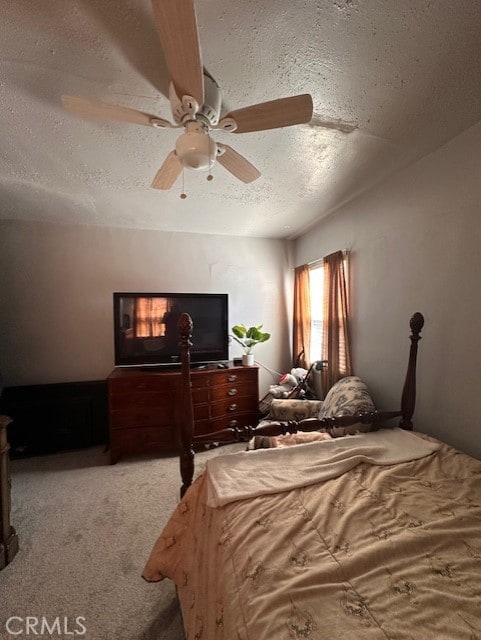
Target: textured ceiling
x,y
407,74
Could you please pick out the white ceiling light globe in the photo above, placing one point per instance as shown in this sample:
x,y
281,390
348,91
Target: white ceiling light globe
x,y
195,149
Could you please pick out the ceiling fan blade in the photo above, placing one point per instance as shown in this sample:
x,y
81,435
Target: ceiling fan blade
x,y
239,166
168,172
96,109
176,23
271,115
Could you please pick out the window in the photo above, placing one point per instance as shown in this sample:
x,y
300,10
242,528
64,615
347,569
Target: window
x,y
321,316
316,289
317,350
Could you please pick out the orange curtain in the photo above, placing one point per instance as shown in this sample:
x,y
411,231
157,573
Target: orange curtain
x,y
302,317
336,333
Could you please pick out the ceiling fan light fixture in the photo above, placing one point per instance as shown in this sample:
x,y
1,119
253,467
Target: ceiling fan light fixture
x,y
195,149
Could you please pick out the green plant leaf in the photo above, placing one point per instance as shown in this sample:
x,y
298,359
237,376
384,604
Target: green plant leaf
x,y
239,330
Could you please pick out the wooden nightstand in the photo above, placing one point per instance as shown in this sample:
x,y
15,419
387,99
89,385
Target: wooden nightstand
x,y
8,535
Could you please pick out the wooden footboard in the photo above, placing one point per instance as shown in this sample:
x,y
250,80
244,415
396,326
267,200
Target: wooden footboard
x,y
241,434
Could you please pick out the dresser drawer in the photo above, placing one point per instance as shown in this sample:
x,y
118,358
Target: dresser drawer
x,y
200,380
231,406
223,376
139,385
237,376
129,400
233,390
123,418
202,412
200,394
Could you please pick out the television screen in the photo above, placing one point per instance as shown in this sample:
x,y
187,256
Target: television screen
x,y
146,333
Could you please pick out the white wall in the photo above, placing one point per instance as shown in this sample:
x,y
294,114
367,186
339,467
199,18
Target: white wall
x,y
56,285
415,243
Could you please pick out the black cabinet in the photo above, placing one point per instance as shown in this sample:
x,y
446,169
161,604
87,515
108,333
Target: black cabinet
x,y
55,417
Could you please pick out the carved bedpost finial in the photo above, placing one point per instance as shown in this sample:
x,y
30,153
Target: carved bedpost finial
x,y
408,399
185,327
417,323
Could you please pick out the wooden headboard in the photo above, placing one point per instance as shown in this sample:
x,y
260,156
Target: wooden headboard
x,y
188,440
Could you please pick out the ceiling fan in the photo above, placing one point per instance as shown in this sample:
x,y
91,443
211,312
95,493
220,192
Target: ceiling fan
x,y
196,101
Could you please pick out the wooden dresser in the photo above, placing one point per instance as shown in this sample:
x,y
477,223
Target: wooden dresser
x,y
145,407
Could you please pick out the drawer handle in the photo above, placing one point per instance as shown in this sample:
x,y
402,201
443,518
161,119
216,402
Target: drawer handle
x,y
233,423
232,392
232,377
233,407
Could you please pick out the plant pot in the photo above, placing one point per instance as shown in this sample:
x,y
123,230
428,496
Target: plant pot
x,y
248,360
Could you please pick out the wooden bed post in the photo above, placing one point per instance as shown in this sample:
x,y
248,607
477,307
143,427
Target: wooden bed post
x,y
185,326
408,399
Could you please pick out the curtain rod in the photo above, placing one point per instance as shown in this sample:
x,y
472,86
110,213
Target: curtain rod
x,y
345,253
321,260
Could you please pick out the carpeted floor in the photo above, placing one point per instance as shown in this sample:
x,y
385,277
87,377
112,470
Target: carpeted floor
x,y
85,530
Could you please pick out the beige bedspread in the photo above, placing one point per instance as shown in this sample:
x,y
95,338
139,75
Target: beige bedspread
x,y
380,552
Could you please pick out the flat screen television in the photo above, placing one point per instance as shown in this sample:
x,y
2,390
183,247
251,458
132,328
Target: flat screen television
x,y
146,333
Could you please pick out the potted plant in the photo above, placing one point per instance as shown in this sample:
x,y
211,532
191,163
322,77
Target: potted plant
x,y
248,338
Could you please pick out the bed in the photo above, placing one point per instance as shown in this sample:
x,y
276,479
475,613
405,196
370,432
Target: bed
x,y
375,535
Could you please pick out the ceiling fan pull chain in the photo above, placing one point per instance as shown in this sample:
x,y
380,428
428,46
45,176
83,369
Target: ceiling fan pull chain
x,y
183,195
211,162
